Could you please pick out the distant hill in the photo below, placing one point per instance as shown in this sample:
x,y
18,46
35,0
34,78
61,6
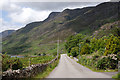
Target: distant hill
x,y
42,36
6,33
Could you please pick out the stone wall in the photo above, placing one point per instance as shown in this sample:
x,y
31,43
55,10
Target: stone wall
x,y
27,72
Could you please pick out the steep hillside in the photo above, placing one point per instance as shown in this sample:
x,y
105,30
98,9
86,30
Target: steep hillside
x,y
109,28
6,33
42,36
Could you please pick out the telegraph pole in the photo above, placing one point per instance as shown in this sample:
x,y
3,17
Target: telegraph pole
x,y
79,51
57,47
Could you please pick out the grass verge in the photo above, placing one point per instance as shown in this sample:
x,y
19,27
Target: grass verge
x,y
47,71
117,76
94,69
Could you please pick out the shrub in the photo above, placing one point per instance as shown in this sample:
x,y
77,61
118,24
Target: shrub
x,y
17,64
39,54
96,56
55,53
69,54
112,46
43,54
11,63
74,51
85,49
26,55
101,51
118,56
107,62
73,41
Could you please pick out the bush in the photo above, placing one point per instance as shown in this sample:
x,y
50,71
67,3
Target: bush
x,y
98,62
26,55
112,46
11,63
107,62
39,54
73,41
96,56
103,47
85,49
69,54
43,54
74,51
17,64
118,56
101,51
55,53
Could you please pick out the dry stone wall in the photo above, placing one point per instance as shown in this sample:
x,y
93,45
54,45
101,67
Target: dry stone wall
x,y
27,72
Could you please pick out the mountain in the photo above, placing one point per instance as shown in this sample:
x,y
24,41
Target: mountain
x,y
6,33
107,29
38,37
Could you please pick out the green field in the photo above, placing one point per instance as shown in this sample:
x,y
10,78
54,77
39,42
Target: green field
x,y
35,60
20,63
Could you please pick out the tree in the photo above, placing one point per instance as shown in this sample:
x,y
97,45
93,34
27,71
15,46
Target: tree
x,y
112,46
85,49
73,41
74,51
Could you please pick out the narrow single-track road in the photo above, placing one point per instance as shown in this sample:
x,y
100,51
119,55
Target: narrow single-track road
x,y
68,68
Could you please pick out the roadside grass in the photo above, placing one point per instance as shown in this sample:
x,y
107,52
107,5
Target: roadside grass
x,y
117,76
96,70
49,69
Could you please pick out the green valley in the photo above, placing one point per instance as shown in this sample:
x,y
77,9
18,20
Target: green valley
x,y
89,34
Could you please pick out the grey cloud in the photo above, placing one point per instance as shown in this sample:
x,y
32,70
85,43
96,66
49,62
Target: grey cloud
x,y
114,0
55,6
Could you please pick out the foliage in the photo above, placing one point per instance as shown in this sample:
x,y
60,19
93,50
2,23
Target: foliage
x,y
43,54
73,41
112,46
55,54
69,54
95,52
116,31
107,62
105,45
19,63
99,62
47,71
118,56
74,51
85,49
11,63
35,60
117,76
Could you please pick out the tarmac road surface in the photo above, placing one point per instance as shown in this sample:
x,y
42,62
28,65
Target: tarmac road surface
x,y
68,68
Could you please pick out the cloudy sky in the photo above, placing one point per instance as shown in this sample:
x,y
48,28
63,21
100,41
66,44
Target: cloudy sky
x,y
17,13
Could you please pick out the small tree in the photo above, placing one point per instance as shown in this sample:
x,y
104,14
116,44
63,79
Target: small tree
x,y
74,51
85,49
112,46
